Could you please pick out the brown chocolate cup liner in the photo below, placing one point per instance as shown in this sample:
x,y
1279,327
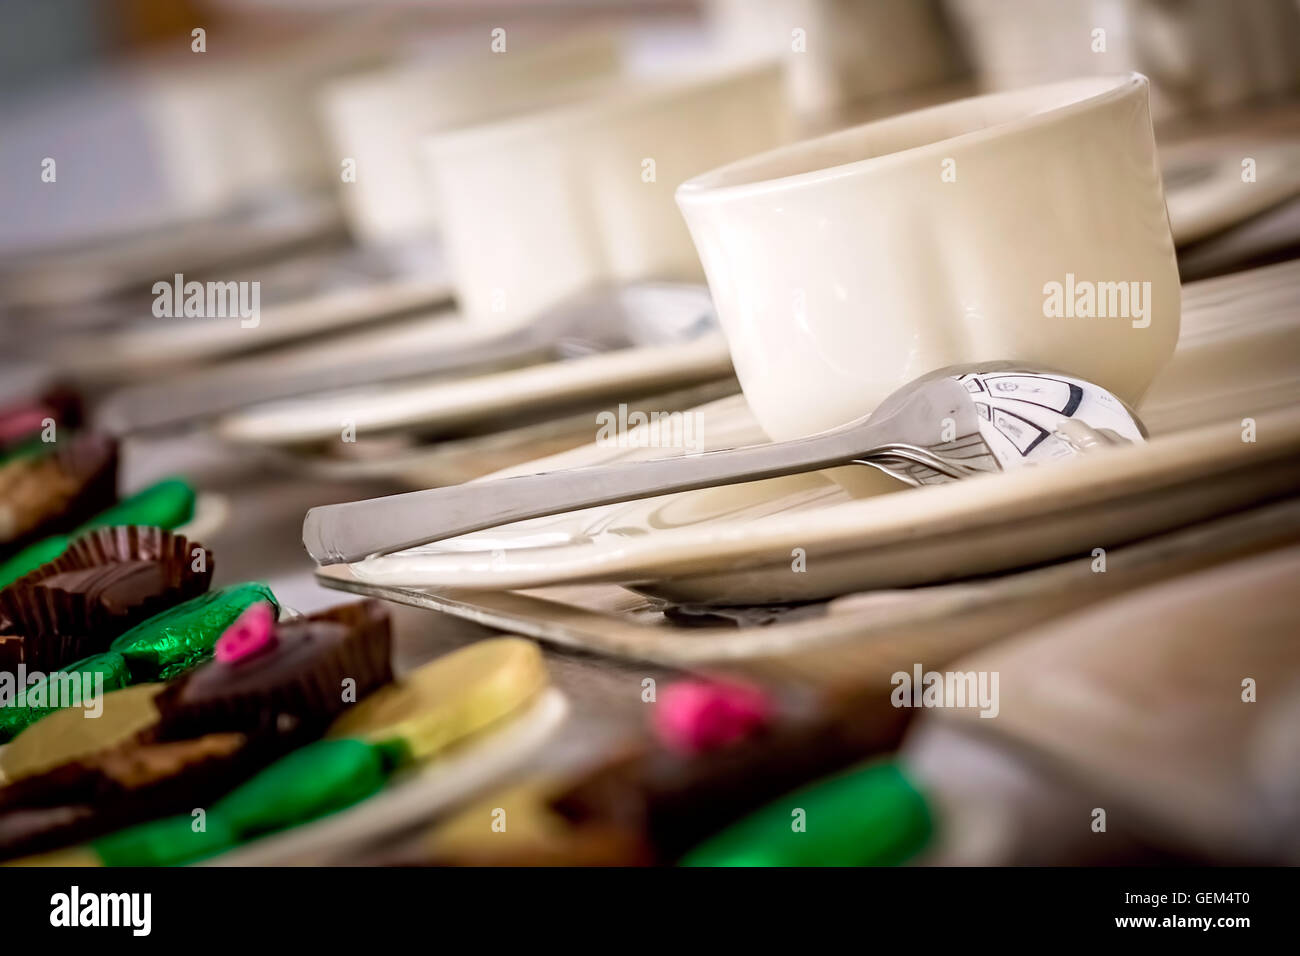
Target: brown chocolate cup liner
x,y
51,651
58,625
313,698
61,491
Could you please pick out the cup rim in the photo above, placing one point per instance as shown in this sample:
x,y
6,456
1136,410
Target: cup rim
x,y
744,178
621,93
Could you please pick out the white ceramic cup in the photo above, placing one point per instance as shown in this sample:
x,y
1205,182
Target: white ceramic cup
x,y
541,205
377,119
843,267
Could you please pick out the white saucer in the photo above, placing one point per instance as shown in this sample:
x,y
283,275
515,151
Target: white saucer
x,y
1207,195
439,403
110,264
452,460
155,345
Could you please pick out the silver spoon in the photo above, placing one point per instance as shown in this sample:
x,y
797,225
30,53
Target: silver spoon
x,y
950,424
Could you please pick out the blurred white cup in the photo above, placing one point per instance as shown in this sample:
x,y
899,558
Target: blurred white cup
x,y
845,266
538,206
240,128
1199,54
377,119
839,52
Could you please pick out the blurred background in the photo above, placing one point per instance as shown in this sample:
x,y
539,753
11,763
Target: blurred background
x,y
113,91
381,176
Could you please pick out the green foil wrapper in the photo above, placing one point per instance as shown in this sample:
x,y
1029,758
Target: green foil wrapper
x,y
182,637
871,816
318,779
45,696
167,505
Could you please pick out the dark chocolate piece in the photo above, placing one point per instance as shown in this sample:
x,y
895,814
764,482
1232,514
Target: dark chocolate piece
x,y
110,599
118,588
300,675
299,647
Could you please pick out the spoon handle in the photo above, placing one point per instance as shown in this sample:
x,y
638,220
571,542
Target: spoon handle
x,y
354,530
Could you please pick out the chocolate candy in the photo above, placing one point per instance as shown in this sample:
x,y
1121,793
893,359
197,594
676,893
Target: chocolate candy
x,y
105,582
122,785
440,704
124,770
117,588
296,671
66,735
178,639
56,492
